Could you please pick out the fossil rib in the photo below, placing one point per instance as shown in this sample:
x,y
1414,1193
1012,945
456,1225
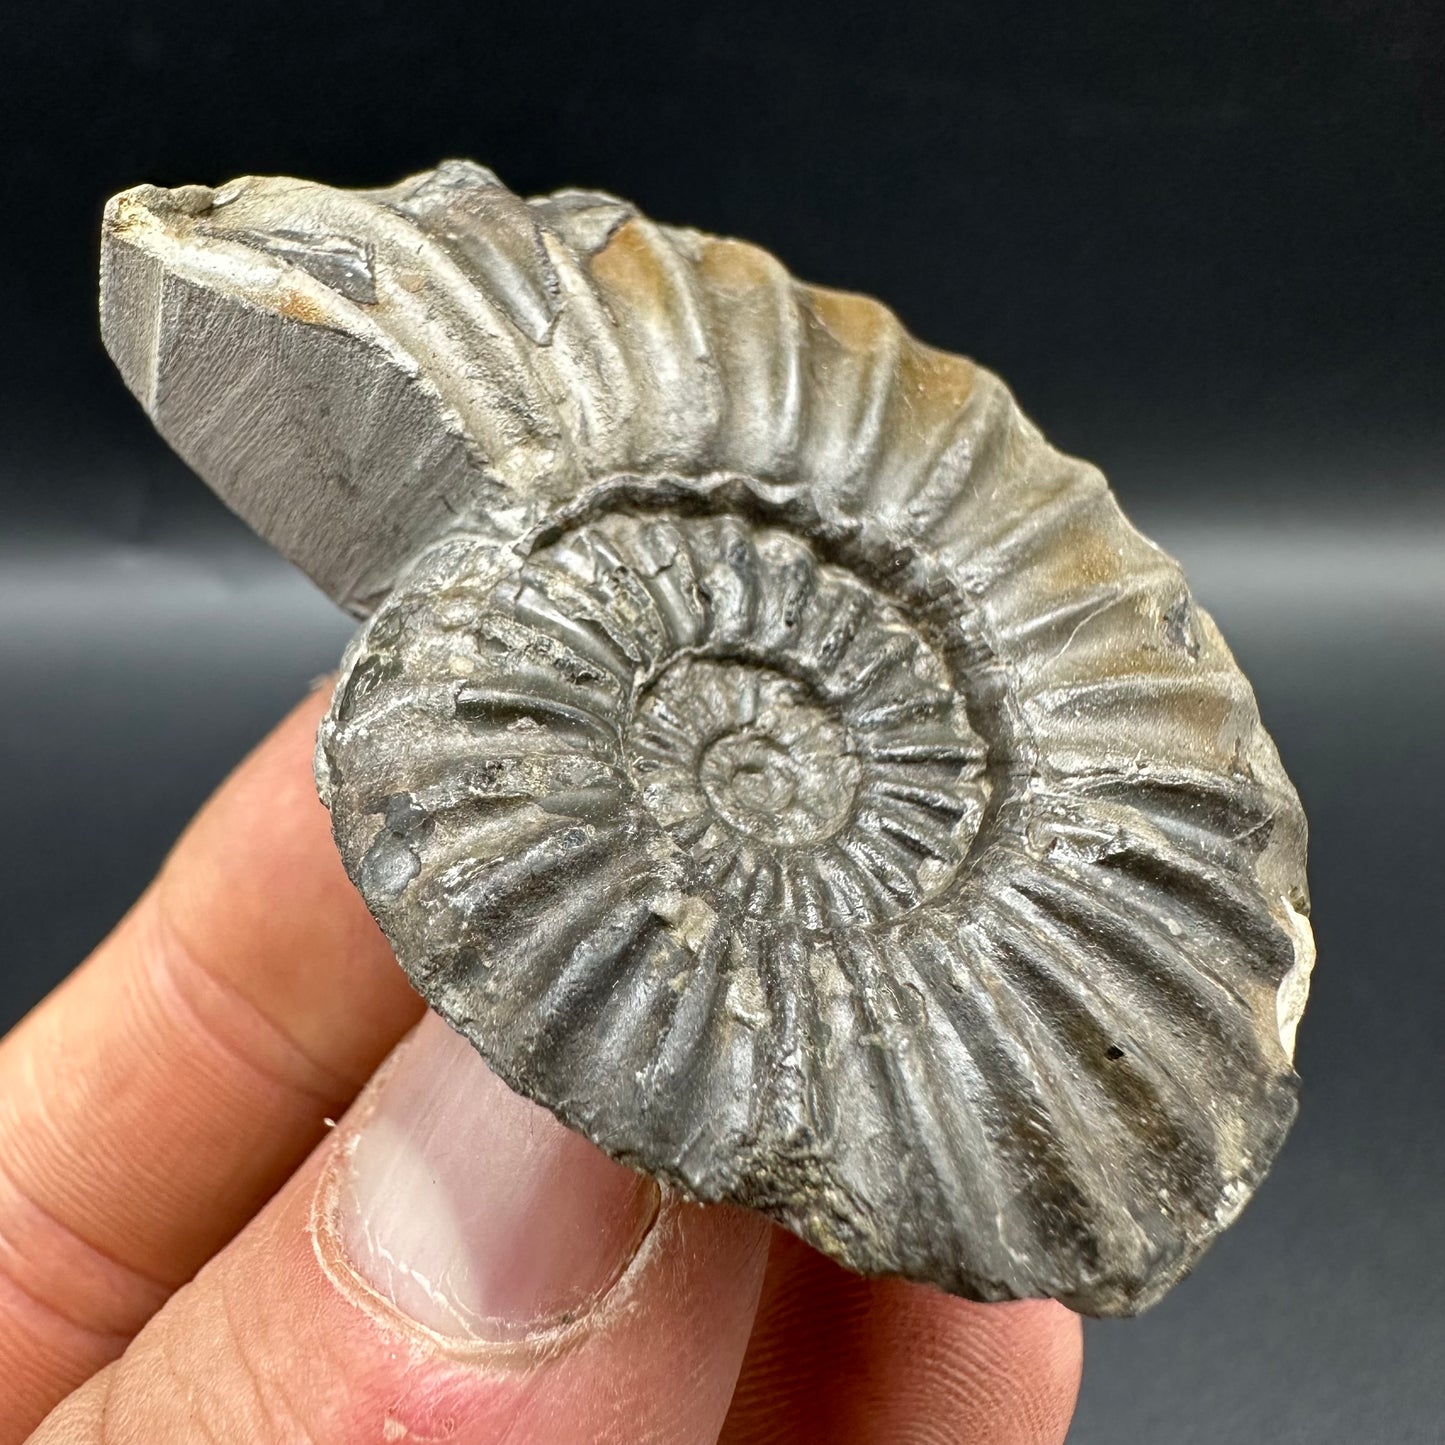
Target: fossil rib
x,y
761,744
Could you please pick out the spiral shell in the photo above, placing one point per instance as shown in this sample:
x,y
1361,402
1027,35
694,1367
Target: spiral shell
x,y
769,752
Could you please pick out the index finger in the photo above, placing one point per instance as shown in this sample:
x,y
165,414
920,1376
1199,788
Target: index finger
x,y
152,1103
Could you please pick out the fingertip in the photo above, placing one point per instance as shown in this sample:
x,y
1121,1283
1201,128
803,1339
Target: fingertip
x,y
1028,1367
1005,1374
852,1360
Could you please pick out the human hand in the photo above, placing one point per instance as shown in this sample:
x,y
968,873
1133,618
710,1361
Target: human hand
x,y
187,1254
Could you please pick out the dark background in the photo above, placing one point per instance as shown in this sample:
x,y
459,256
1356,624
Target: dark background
x,y
1202,243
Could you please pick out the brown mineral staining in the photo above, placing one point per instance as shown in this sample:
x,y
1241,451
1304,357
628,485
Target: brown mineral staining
x,y
935,383
297,306
633,269
857,323
736,265
1087,557
124,213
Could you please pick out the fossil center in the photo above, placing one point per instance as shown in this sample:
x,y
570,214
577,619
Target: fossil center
x,y
786,778
751,750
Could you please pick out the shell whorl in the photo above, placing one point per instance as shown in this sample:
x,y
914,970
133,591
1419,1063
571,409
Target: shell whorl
x,y
763,746
731,842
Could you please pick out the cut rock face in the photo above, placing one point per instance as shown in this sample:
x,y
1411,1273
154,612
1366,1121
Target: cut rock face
x,y
773,756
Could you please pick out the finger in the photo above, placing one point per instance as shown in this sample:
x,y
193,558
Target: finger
x,y
455,1266
839,1358
155,1100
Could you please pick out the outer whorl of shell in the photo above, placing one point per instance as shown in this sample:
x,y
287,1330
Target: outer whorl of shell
x,y
763,746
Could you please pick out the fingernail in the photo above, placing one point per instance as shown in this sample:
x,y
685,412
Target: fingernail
x,y
472,1211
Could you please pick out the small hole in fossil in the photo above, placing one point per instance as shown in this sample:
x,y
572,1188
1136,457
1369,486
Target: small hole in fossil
x,y
1113,1052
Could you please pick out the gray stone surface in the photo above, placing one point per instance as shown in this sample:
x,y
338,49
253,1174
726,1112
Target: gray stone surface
x,y
775,757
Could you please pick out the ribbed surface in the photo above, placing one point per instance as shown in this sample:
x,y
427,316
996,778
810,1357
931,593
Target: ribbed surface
x,y
778,760
693,835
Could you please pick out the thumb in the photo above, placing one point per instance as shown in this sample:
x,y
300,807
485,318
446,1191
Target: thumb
x,y
452,1264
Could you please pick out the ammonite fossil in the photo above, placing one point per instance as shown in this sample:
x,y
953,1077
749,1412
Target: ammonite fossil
x,y
770,753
